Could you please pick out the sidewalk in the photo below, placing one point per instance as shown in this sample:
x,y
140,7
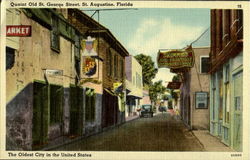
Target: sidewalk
x,y
130,118
210,142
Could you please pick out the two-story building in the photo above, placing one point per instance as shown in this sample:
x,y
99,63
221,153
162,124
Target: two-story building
x,y
66,78
109,84
194,104
40,69
226,84
134,86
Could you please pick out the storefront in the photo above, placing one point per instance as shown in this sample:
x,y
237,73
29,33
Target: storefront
x,y
226,103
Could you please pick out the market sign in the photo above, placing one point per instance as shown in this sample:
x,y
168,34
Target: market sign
x,y
53,72
18,31
174,85
201,100
90,67
176,58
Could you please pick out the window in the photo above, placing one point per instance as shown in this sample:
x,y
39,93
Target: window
x,y
122,69
56,104
214,94
226,20
220,80
90,105
138,80
55,34
10,57
219,30
238,92
227,95
240,23
77,47
77,55
115,66
204,64
109,62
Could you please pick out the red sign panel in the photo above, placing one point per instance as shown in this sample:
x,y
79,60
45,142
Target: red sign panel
x,y
18,31
174,85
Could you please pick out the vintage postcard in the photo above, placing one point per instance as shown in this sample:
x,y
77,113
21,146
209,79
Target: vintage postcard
x,y
124,80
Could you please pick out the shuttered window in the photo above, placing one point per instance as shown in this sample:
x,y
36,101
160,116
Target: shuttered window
x,y
77,49
55,34
10,57
108,62
204,65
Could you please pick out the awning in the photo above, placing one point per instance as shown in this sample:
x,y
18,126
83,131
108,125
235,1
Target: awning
x,y
134,95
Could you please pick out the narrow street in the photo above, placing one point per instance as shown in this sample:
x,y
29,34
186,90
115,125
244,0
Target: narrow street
x,y
163,132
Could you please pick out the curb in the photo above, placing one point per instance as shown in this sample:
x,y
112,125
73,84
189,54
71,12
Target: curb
x,y
204,149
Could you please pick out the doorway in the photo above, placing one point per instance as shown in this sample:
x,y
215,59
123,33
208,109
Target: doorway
x,y
237,115
76,111
40,114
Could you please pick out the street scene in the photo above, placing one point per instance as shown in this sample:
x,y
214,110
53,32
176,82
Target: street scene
x,y
131,79
161,133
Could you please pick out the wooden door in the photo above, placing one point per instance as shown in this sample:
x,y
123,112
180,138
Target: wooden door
x,y
76,111
40,115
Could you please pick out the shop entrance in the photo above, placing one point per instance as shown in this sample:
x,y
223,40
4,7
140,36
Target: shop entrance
x,y
109,109
237,117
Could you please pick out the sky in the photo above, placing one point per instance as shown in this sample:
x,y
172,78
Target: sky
x,y
146,30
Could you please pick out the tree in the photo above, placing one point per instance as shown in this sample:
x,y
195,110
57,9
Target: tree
x,y
156,90
176,78
148,69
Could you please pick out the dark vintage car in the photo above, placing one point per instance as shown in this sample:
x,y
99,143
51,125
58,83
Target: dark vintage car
x,y
147,110
162,109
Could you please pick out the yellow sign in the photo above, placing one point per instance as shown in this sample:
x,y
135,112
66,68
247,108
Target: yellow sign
x,y
117,87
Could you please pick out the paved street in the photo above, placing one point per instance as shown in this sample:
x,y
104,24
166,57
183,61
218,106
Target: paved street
x,y
163,132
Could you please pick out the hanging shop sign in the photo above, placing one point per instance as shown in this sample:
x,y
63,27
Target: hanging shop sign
x,y
89,46
54,72
174,85
201,100
18,31
90,67
176,58
179,70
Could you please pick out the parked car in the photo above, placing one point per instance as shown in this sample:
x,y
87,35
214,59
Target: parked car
x,y
146,110
162,109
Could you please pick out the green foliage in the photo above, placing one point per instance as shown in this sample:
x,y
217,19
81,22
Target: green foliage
x,y
165,97
155,90
148,69
176,78
170,105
